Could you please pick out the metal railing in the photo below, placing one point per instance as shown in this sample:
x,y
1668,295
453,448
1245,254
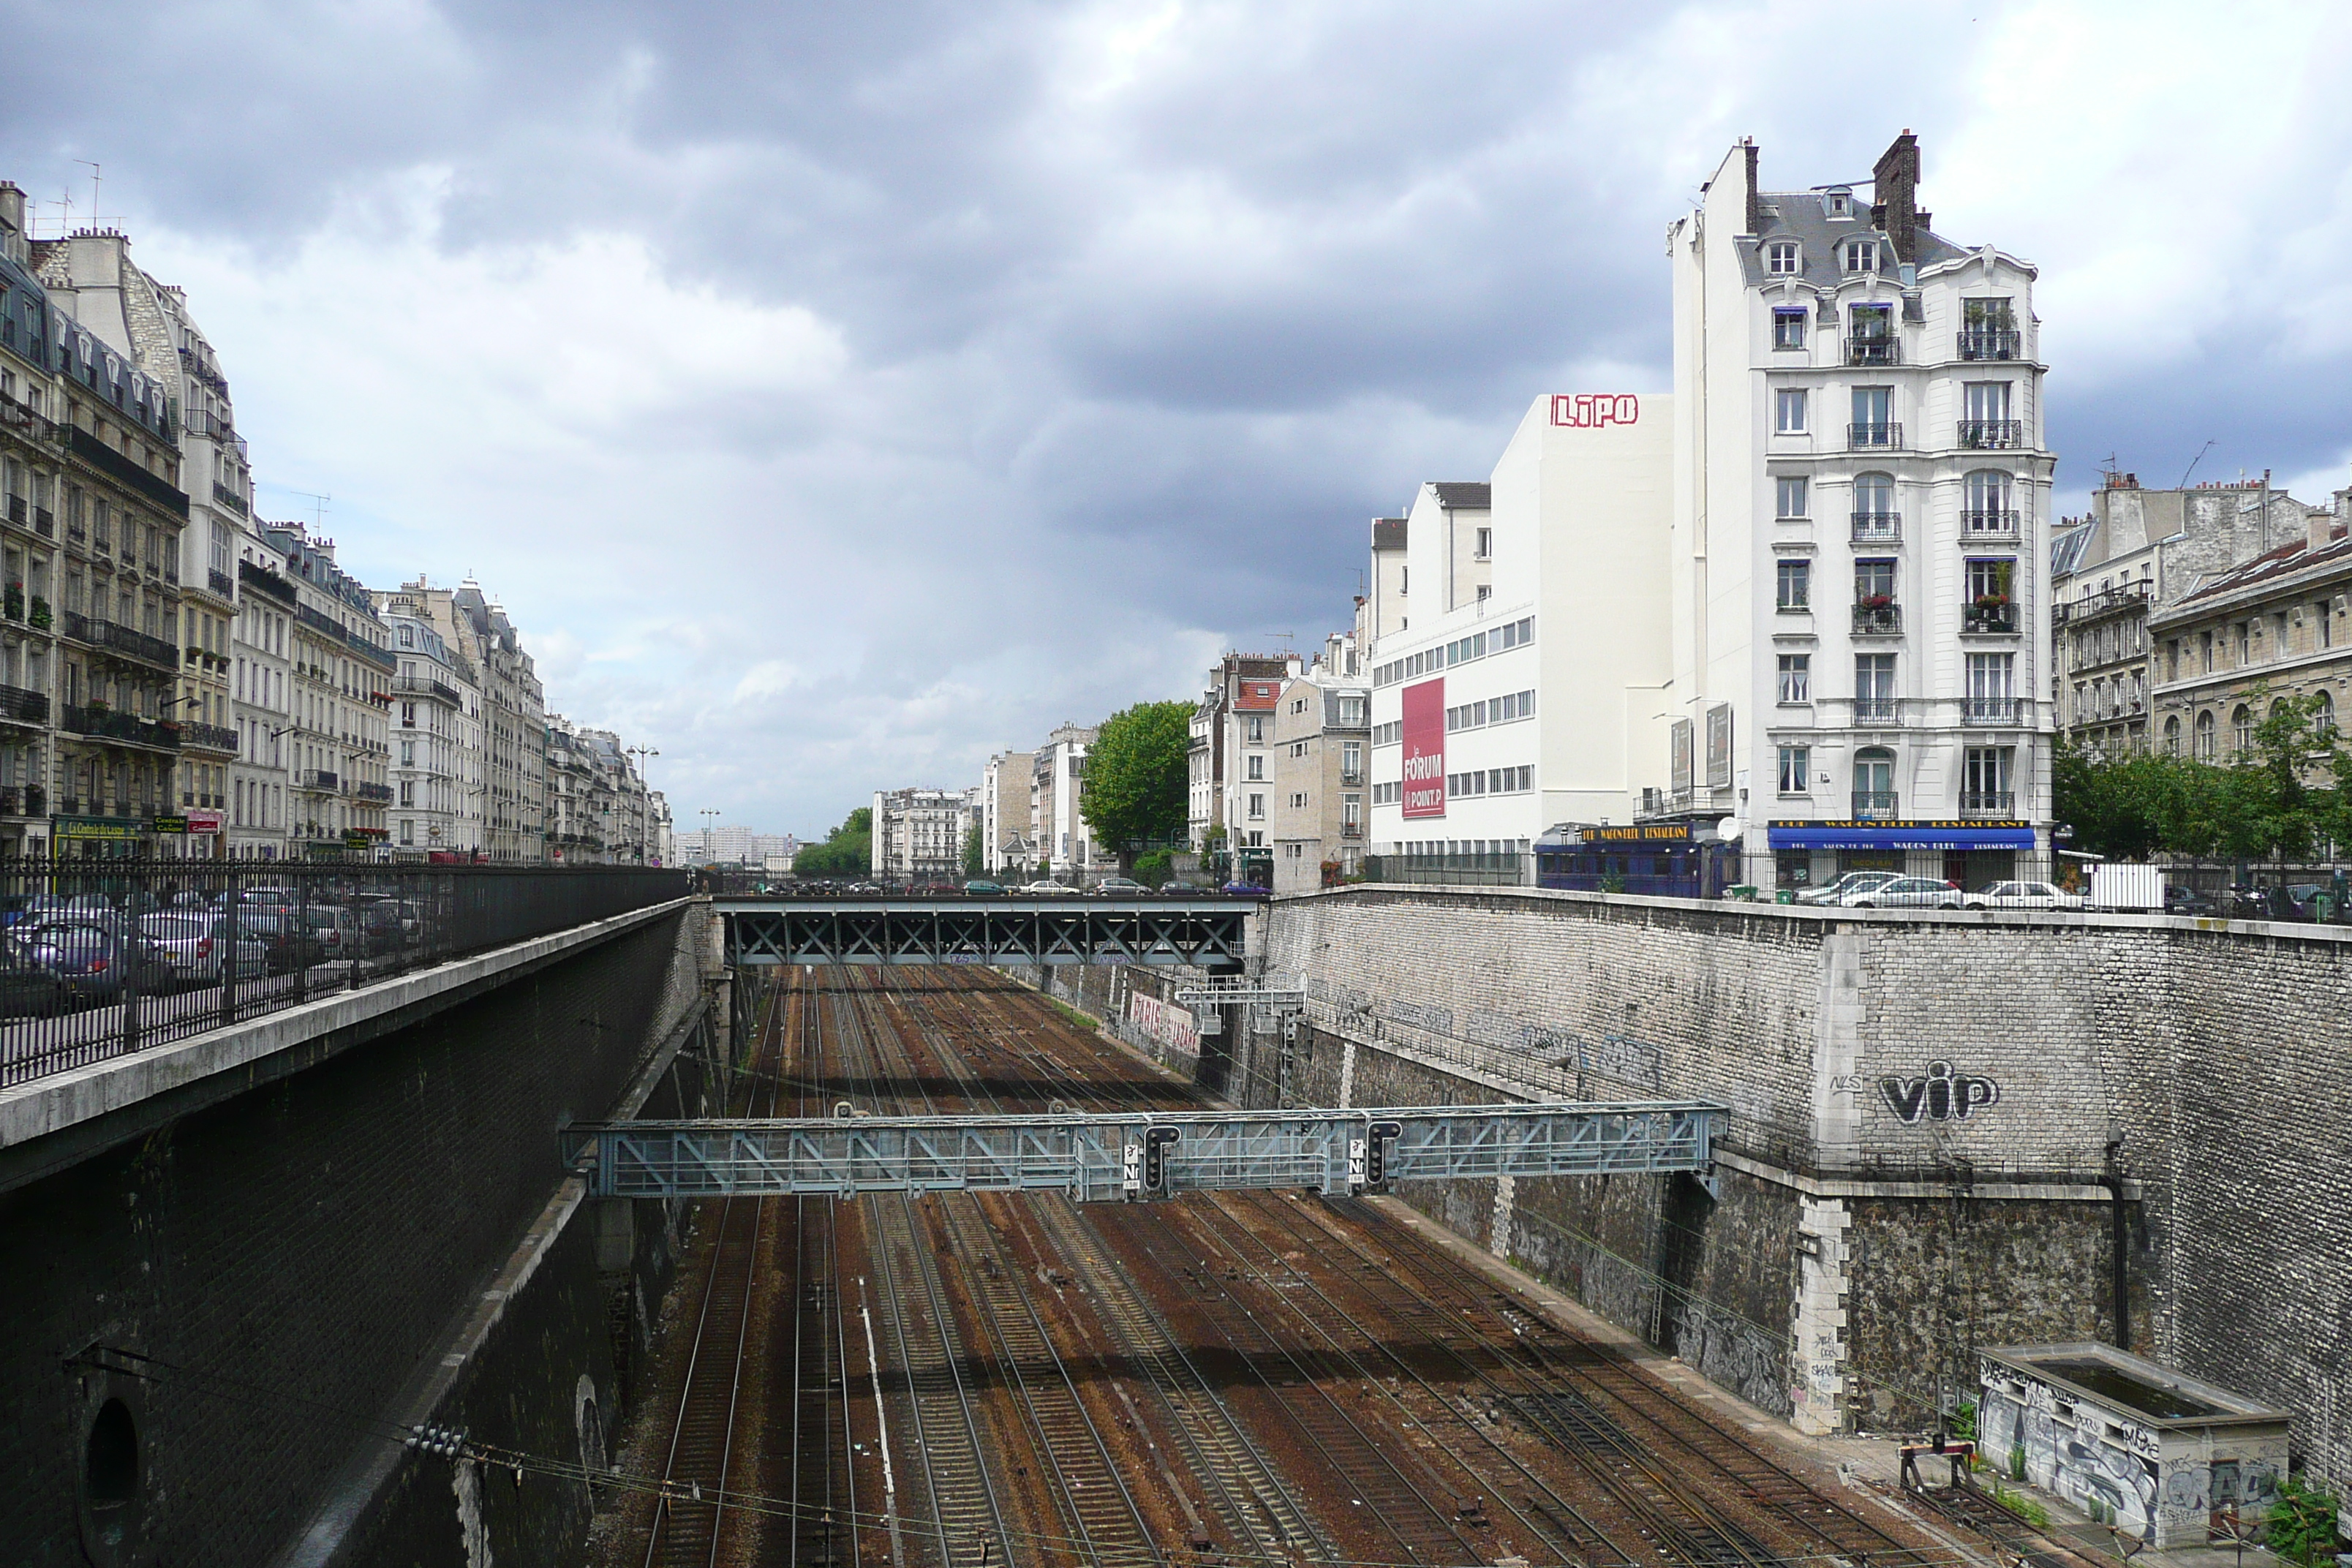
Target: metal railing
x,y
426,686
1988,342
1988,711
105,724
1874,804
104,958
1872,351
1878,525
213,737
1877,620
1877,711
316,779
220,582
26,707
376,792
1990,619
1991,435
1994,520
120,640
1987,803
1878,435
2099,604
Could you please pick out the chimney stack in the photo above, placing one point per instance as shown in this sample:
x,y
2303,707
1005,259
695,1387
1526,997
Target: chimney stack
x,y
1755,196
1895,190
2317,526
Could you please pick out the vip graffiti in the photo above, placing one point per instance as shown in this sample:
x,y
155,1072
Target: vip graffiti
x,y
1586,410
1942,1095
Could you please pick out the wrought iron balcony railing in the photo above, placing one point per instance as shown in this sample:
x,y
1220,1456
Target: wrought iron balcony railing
x,y
1988,435
1993,619
1876,804
1987,803
1988,711
1877,435
1988,342
1993,521
1872,351
1876,710
1877,620
1878,525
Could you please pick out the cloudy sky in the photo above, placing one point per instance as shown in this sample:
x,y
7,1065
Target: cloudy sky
x,y
836,394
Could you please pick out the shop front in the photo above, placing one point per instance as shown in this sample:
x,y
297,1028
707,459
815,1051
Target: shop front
x,y
102,837
1971,852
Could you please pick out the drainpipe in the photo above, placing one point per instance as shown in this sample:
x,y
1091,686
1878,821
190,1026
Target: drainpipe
x,y
2119,1249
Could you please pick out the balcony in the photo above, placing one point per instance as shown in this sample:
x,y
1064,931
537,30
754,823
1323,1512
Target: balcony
x,y
319,779
125,472
1876,804
1988,711
1990,619
104,724
2126,596
27,800
210,737
376,792
1351,830
1878,527
1862,437
1991,435
426,686
1988,342
223,496
1874,620
20,706
20,512
1872,351
123,641
1987,803
266,581
1877,711
1989,524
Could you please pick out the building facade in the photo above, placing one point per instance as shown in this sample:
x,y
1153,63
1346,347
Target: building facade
x,y
340,698
918,834
1322,738
2244,639
1229,728
261,686
514,715
1862,489
33,478
1004,843
435,726
1057,827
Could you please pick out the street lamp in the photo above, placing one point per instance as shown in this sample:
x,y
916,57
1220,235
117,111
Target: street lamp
x,y
710,845
645,797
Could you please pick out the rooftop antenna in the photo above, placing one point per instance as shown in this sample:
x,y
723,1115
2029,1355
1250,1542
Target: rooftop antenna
x,y
318,508
64,204
97,175
2192,465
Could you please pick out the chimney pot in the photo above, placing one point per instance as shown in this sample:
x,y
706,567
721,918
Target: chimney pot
x,y
2317,528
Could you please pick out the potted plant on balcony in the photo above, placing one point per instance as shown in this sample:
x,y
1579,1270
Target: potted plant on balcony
x,y
14,606
41,616
1992,600
1877,601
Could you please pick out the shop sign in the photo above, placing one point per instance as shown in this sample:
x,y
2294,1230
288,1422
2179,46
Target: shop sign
x,y
355,841
96,827
171,824
204,821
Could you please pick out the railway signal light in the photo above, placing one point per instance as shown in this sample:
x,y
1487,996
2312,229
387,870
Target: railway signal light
x,y
1382,1148
1157,1142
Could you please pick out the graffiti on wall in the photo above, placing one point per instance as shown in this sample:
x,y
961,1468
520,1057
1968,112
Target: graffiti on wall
x,y
1940,1095
1173,1026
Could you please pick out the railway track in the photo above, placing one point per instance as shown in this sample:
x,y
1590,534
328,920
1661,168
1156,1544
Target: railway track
x,y
689,1513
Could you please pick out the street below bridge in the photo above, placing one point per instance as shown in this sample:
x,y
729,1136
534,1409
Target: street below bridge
x,y
964,1380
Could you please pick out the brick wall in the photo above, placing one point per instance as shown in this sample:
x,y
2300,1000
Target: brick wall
x,y
1928,1109
298,1256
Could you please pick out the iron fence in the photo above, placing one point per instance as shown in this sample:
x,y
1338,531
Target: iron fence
x,y
1490,870
103,958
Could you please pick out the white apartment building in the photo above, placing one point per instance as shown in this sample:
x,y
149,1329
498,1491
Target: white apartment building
x,y
340,701
1862,505
1003,812
918,834
260,697
435,736
1057,783
1528,686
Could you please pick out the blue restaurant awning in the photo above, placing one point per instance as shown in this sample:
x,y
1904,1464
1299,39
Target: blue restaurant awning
x,y
1900,835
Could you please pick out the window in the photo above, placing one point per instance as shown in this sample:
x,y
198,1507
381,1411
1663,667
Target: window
x,y
1985,502
1784,257
1789,327
2241,730
1874,418
1990,682
1985,780
2323,716
1874,582
1988,329
1837,204
1256,806
1874,687
2172,736
1796,677
1792,490
1256,730
2205,642
1485,593
1351,713
1862,256
2278,635
1256,767
1517,634
2205,737
1991,580
1788,410
1351,760
1874,782
2325,636
1870,335
1387,734
1795,585
1298,800
1984,418
1483,545
1795,769
1874,506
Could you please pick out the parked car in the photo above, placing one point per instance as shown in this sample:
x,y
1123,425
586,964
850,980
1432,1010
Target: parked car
x,y
937,891
984,889
2178,901
1905,893
2022,895
286,943
1246,891
1119,888
1049,889
334,931
93,961
195,945
1184,887
27,990
1845,886
380,928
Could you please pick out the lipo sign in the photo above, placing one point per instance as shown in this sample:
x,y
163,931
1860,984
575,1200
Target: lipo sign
x,y
1591,410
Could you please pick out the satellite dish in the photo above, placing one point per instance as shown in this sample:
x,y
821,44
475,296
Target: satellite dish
x,y
1729,830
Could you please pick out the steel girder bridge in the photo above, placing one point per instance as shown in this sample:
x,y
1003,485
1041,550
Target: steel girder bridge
x,y
1140,1155
1203,933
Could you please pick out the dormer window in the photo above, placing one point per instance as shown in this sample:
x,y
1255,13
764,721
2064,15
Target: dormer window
x,y
1837,204
1782,258
1862,256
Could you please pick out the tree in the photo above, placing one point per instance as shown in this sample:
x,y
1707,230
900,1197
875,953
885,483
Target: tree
x,y
974,862
1136,776
848,851
2284,795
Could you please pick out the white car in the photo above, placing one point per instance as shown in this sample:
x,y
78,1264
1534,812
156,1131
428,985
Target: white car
x,y
1905,893
2024,896
1049,890
194,945
1837,892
